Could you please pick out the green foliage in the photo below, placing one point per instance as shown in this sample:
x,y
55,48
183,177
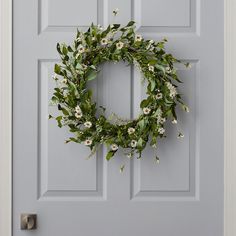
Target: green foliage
x,y
79,65
109,155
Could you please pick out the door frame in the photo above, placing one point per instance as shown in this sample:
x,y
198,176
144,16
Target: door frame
x,y
6,117
6,94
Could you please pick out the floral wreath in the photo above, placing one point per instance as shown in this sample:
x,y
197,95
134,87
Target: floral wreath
x,y
80,64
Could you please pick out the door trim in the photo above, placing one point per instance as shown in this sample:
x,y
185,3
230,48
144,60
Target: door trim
x,y
6,118
229,119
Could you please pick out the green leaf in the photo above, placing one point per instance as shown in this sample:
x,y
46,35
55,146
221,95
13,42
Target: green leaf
x,y
54,99
109,155
153,84
93,151
78,66
93,67
66,58
70,49
64,111
58,48
168,102
152,62
153,141
58,119
169,112
131,23
175,77
116,26
174,113
140,143
161,68
57,69
91,75
71,140
141,124
102,108
144,103
64,50
72,87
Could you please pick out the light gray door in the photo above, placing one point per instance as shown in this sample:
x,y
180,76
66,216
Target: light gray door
x,y
183,195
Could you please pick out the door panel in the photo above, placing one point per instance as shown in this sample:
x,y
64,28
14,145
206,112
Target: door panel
x,y
72,195
175,177
63,169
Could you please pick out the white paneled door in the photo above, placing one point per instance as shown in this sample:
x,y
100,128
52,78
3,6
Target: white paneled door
x,y
183,195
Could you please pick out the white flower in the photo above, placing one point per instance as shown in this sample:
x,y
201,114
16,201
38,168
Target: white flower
x,y
172,89
119,45
131,130
188,65
100,27
78,115
161,130
93,38
78,39
64,81
54,76
168,69
133,143
104,41
174,121
84,66
159,119
88,124
138,38
186,108
88,142
115,11
159,96
114,147
154,145
146,110
150,46
81,49
122,168
78,109
180,135
162,120
78,112
151,68
129,155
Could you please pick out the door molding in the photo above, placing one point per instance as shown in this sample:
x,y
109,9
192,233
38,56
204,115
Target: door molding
x,y
6,118
229,119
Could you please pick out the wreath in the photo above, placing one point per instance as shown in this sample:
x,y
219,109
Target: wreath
x,y
80,63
